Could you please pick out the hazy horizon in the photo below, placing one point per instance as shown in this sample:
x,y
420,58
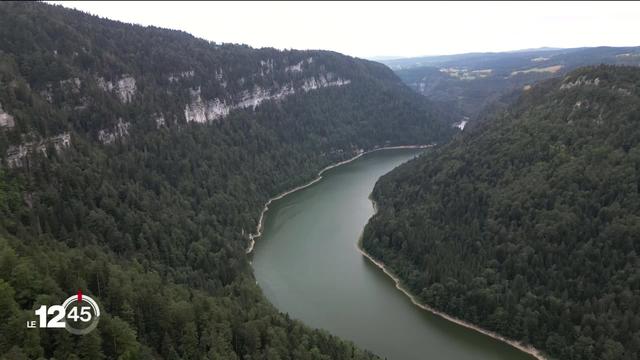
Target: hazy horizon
x,y
389,29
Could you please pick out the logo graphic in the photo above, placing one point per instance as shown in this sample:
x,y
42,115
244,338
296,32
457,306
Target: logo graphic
x,y
79,315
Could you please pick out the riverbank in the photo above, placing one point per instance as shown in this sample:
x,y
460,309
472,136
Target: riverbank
x,y
522,347
258,233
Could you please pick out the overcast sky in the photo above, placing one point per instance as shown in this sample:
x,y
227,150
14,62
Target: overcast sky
x,y
396,29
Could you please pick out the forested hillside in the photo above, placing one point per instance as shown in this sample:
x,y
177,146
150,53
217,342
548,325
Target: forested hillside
x,y
135,161
530,224
471,82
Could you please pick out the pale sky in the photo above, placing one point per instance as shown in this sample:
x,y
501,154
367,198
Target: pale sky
x,y
398,29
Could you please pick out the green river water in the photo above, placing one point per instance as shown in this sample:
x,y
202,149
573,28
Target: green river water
x,y
307,264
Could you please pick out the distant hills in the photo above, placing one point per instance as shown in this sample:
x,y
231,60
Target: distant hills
x,y
472,81
517,59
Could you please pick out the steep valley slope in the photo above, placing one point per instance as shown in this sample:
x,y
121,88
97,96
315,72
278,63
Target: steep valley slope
x,y
136,160
529,224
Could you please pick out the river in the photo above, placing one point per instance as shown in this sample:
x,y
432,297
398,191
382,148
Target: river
x,y
308,265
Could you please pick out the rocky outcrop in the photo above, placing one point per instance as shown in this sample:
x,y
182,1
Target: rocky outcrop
x,y
294,68
298,67
462,123
581,81
17,154
195,111
258,95
202,111
180,76
322,81
622,91
105,85
110,135
6,120
584,81
71,85
266,67
125,87
160,120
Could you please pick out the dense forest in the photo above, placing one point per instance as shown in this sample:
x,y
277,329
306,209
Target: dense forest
x,y
529,225
135,161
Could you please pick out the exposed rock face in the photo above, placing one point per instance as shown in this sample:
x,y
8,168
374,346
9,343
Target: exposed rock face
x,y
258,95
6,120
323,81
195,111
160,121
624,92
266,67
201,111
217,109
16,155
183,75
460,125
294,68
105,85
125,87
72,85
582,80
120,130
298,67
61,141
